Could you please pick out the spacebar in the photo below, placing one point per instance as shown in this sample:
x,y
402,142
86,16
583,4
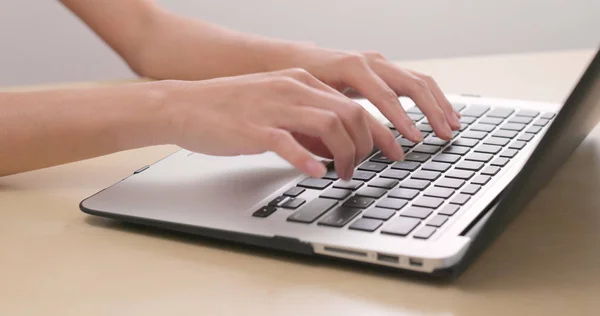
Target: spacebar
x,y
312,210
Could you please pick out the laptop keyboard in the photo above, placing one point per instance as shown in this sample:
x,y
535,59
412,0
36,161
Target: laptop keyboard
x,y
414,198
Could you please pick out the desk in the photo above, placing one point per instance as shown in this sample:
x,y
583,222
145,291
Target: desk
x,y
57,260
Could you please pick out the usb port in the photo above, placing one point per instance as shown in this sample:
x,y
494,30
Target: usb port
x,y
415,262
387,258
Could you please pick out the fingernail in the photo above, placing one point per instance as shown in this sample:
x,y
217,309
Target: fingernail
x,y
416,133
316,169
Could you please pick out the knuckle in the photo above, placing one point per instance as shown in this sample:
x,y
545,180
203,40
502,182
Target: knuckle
x,y
389,95
355,114
418,85
331,123
374,55
283,83
354,59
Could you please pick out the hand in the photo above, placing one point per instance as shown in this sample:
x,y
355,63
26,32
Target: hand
x,y
289,112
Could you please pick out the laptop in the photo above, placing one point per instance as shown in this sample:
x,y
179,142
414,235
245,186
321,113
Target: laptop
x,y
431,214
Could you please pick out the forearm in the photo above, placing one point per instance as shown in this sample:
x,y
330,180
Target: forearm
x,y
47,128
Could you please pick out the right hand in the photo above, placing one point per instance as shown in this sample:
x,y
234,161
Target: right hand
x,y
289,112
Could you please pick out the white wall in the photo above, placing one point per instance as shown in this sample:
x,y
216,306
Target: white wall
x,y
41,42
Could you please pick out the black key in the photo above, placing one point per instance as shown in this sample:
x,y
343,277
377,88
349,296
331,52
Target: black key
x,y
501,112
435,141
455,133
414,184
425,127
416,116
547,116
483,127
475,110
479,157
264,211
363,175
331,175
448,158
467,119
372,166
460,199
350,185
471,189
395,133
449,209
521,120
509,153
460,174
371,192
336,194
534,129
429,202
491,120
424,233
490,171
488,149
314,183
390,203
405,142
541,122
470,165
474,135
359,202
417,212
517,145
528,113
456,150
458,106
412,156
277,200
381,158
312,210
437,221
500,162
402,193
427,149
401,226
394,174
513,127
450,183
439,192
505,134
526,137
383,183
379,213
466,142
340,216
424,134
414,109
366,224
293,203
497,141
426,175
294,192
481,180
406,165
436,166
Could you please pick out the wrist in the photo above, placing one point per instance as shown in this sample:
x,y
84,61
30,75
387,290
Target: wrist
x,y
279,55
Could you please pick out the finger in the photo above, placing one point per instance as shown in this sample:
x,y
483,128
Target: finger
x,y
440,97
385,140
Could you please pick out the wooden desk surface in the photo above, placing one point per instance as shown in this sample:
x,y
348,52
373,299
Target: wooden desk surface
x,y
56,260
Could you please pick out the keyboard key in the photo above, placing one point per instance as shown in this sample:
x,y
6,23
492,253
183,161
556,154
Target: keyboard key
x,y
294,192
435,141
467,119
547,116
366,224
460,174
340,216
471,189
412,156
479,157
331,175
541,122
436,166
490,171
277,200
414,184
384,183
481,180
463,127
264,211
509,153
395,133
414,109
439,192
437,221
513,127
456,150
416,116
372,166
448,158
359,202
455,133
314,183
363,175
526,137
381,158
460,199
424,134
394,174
379,213
488,149
390,203
425,232
426,175
402,193
534,129
427,149
501,112
475,110
474,135
293,203
405,142
416,212
406,165
497,141
401,226
491,120
449,209
483,127
390,126
470,165
429,202
500,162
528,113
505,134
467,142
450,183
349,185
312,210
458,106
521,120
517,145
371,192
425,127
